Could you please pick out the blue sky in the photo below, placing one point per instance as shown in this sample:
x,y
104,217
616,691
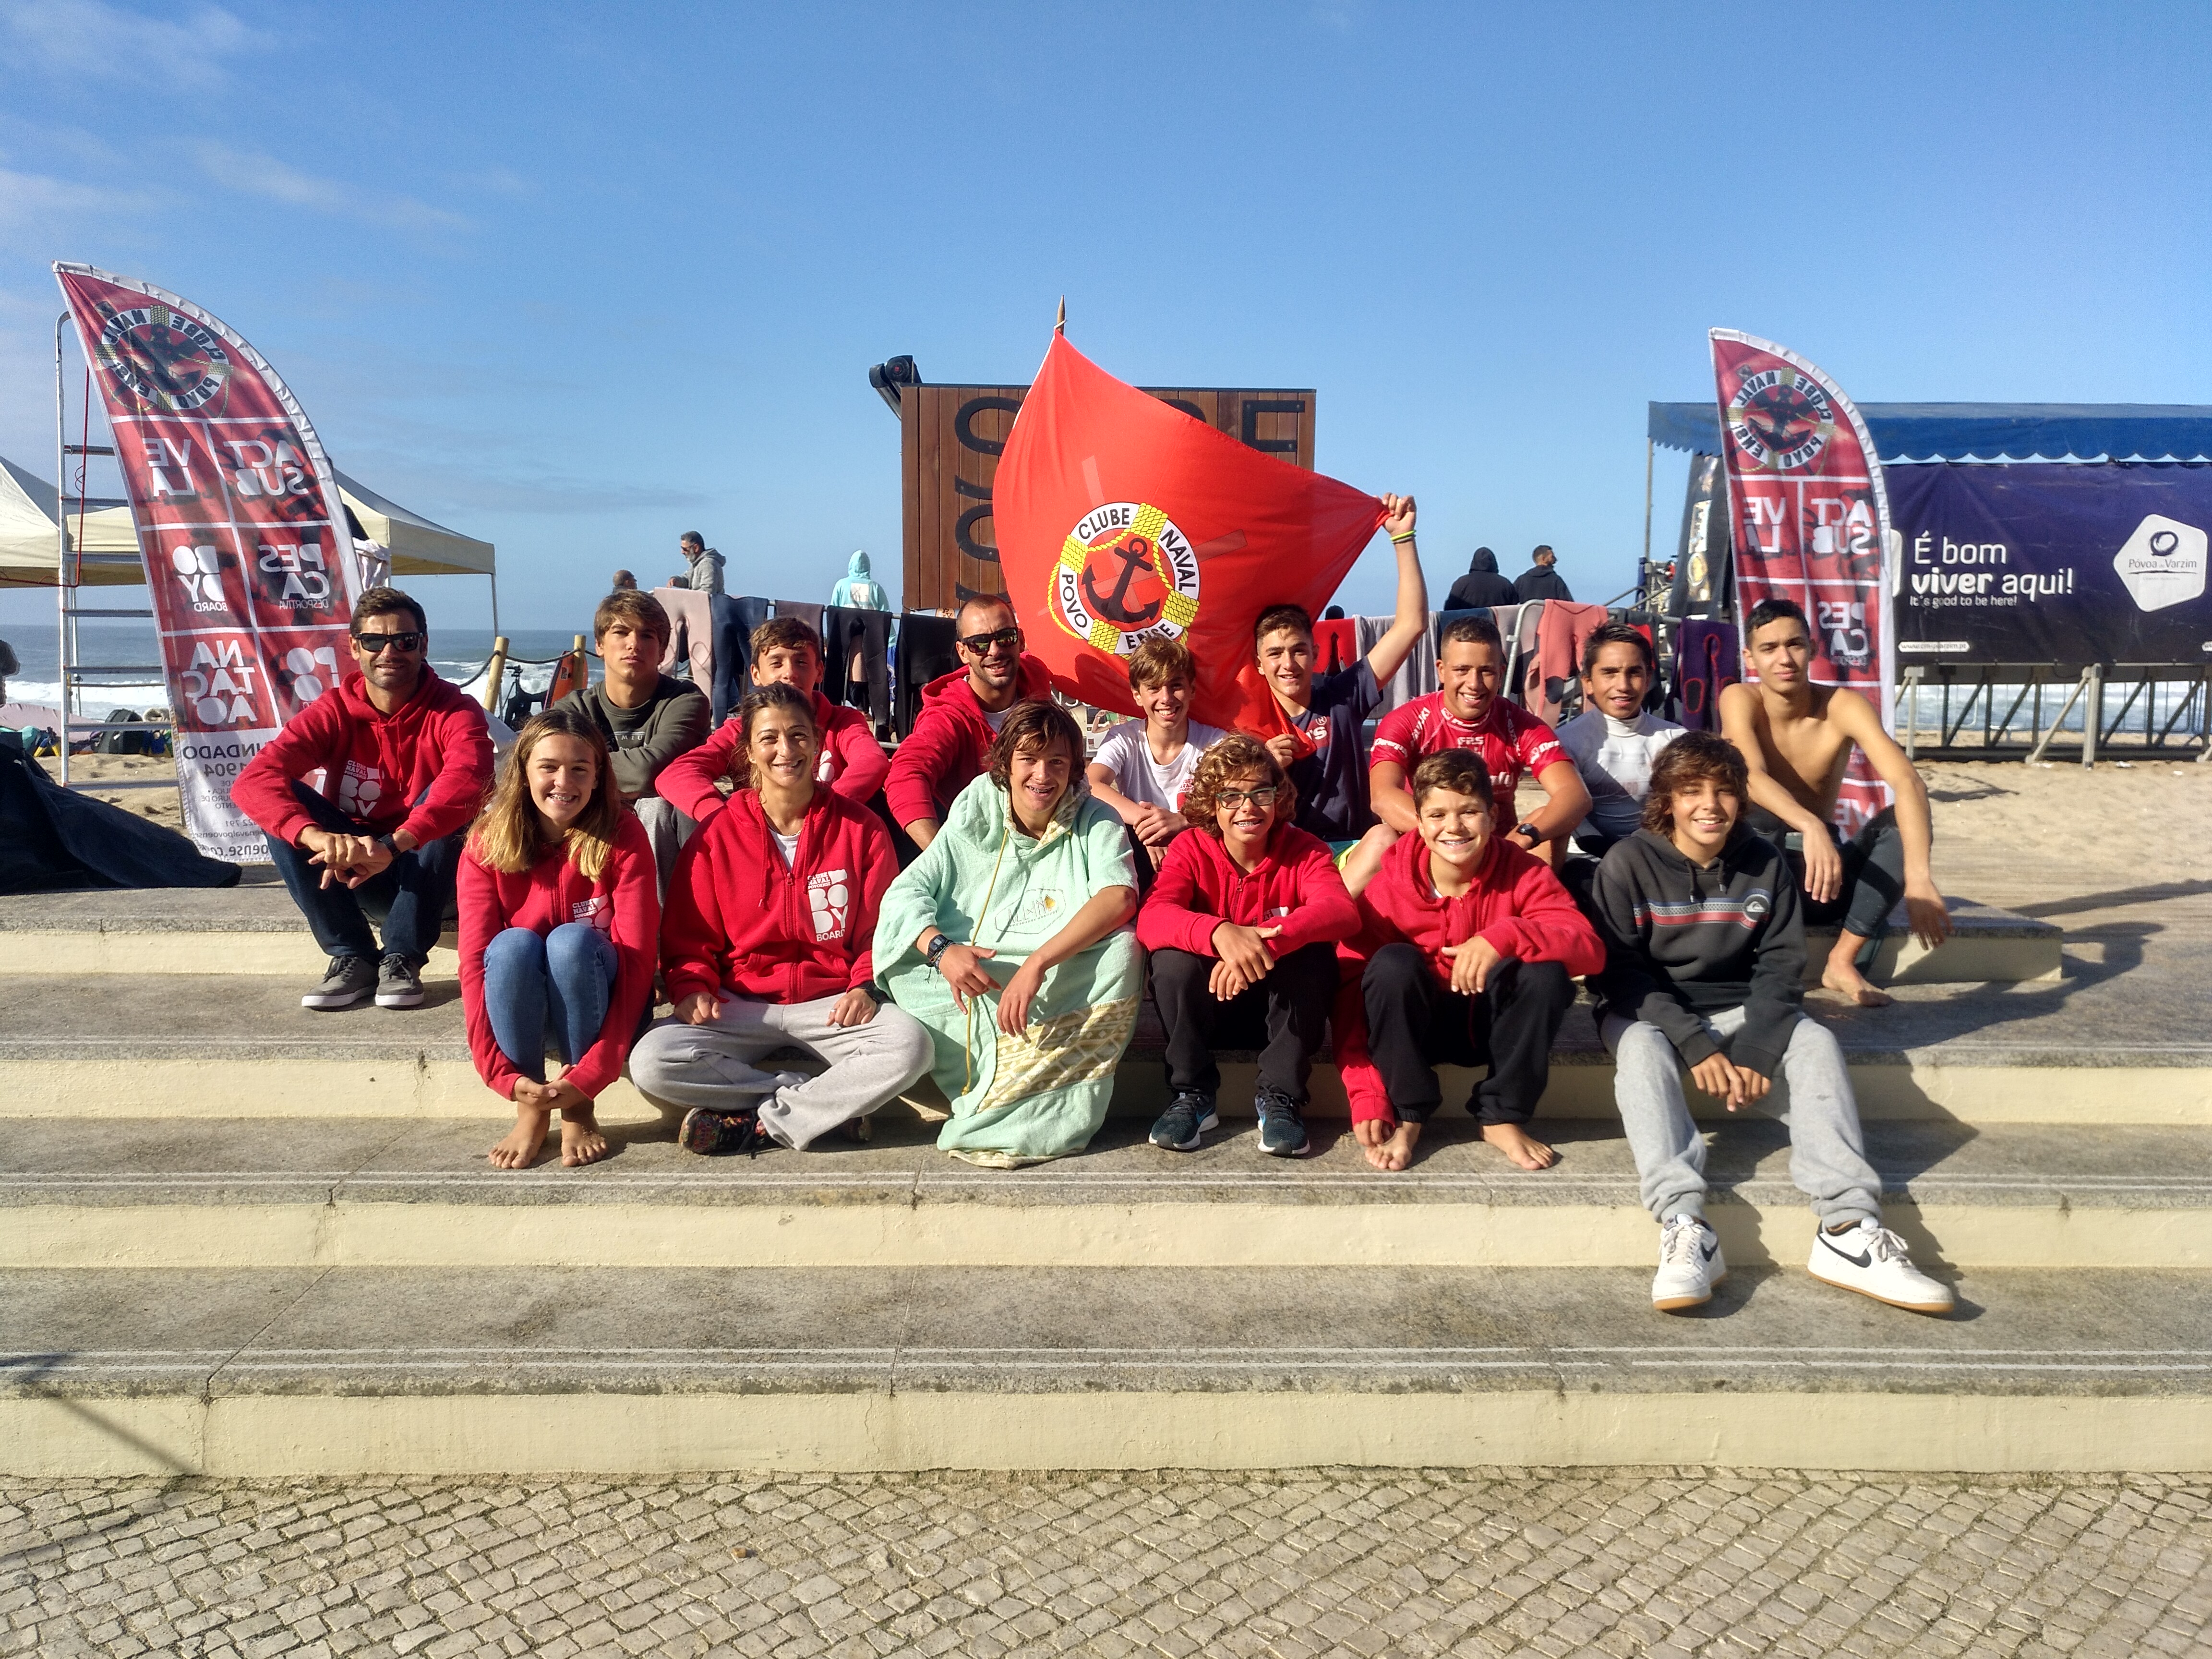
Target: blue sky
x,y
577,279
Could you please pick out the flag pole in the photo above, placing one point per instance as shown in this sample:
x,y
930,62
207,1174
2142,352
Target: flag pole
x,y
1060,326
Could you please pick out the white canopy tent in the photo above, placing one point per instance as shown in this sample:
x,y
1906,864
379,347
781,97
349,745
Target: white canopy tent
x,y
107,541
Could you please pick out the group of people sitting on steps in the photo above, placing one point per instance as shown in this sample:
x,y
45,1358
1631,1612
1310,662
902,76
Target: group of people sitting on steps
x,y
964,909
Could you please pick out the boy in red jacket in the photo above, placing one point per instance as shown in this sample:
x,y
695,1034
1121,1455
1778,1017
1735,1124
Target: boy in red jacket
x,y
786,651
961,713
1470,944
404,760
1242,924
767,944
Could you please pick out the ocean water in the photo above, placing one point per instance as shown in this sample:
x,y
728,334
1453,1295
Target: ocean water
x,y
460,656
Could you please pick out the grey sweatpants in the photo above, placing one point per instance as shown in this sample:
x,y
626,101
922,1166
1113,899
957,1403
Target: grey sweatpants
x,y
1812,1095
665,829
712,1065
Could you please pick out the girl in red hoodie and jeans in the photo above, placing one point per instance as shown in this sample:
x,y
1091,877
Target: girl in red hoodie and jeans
x,y
1470,944
559,916
1242,924
771,915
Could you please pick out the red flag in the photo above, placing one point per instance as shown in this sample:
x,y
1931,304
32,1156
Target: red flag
x,y
247,555
1812,525
1120,519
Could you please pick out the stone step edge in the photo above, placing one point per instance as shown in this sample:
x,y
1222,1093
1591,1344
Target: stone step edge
x,y
270,1437
1928,1084
2059,1232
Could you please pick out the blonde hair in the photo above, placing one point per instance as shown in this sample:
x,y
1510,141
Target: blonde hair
x,y
506,837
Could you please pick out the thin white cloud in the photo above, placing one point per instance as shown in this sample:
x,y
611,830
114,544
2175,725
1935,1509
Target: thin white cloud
x,y
32,200
252,173
103,43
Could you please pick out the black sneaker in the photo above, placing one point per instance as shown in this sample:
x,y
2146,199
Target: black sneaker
x,y
715,1134
1282,1127
1188,1117
398,984
346,981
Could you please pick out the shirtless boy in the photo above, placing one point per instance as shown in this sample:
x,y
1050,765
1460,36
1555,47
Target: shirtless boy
x,y
1797,738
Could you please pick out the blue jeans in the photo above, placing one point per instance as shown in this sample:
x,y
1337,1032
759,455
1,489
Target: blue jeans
x,y
414,891
564,979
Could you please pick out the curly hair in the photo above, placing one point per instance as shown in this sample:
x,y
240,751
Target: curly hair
x,y
506,835
1037,724
1229,759
1692,758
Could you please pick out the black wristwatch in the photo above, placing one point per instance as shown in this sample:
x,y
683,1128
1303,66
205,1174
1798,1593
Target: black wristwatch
x,y
384,842
1530,831
937,947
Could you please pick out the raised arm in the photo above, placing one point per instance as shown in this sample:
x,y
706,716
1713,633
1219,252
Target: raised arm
x,y
1411,618
1916,820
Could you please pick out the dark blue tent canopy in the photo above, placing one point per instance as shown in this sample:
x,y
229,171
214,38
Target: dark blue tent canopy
x,y
1905,433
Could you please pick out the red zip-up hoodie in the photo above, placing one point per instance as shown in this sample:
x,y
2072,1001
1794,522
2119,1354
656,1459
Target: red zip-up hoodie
x,y
739,919
375,766
621,903
1515,903
1294,886
943,753
852,762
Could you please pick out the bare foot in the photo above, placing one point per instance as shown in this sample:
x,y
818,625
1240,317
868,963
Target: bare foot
x,y
525,1141
1845,979
581,1139
1389,1146
1518,1144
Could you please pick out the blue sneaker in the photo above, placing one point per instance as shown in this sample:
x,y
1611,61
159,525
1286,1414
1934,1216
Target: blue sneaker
x,y
1188,1117
1282,1129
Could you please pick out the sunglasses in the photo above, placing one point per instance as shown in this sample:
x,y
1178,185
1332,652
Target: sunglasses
x,y
982,644
371,644
1232,798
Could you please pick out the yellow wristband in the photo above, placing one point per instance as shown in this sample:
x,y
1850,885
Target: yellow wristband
x,y
1408,537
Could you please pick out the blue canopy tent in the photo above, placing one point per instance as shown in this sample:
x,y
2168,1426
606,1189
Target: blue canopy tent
x,y
1906,433
2046,493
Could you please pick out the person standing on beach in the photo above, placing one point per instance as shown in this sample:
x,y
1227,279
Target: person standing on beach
x,y
1542,579
646,717
1797,738
404,759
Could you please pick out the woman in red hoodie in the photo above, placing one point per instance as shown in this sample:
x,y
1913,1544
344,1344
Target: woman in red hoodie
x,y
1470,945
559,915
1242,924
771,914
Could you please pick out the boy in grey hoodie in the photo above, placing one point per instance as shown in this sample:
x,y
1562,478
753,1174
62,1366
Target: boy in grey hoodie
x,y
1705,956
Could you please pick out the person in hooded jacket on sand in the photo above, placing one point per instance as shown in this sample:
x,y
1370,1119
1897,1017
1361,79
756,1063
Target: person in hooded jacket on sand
x,y
1483,587
857,588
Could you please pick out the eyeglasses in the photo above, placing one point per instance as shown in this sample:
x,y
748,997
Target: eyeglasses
x,y
1233,798
981,644
371,644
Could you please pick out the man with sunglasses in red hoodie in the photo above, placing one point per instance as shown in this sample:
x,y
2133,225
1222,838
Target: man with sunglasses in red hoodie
x,y
961,714
404,760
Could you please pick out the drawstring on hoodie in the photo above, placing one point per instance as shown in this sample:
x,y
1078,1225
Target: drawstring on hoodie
x,y
967,1042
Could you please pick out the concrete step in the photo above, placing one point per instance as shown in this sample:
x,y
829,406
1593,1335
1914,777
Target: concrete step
x,y
256,929
367,1193
289,1374
2092,1048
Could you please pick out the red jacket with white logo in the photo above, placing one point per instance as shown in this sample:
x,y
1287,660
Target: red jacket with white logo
x,y
943,753
852,762
623,903
1294,886
1515,903
739,919
424,767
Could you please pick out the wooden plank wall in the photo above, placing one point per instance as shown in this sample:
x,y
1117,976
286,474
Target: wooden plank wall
x,y
951,437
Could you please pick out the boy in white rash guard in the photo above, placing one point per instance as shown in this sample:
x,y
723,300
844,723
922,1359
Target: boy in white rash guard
x,y
1613,742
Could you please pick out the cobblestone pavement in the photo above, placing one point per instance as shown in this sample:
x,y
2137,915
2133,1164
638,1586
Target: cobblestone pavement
x,y
1337,1562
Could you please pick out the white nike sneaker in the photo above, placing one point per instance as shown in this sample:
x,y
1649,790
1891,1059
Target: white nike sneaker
x,y
1690,1265
1872,1261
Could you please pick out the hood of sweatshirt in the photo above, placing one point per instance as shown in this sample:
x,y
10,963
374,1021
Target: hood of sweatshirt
x,y
1483,564
1407,863
432,696
983,815
1742,850
857,567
